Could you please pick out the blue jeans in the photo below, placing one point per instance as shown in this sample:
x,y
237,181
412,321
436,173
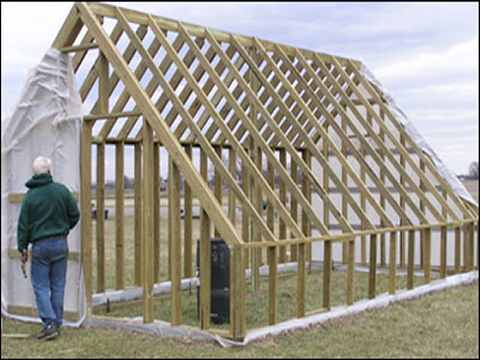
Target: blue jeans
x,y
49,270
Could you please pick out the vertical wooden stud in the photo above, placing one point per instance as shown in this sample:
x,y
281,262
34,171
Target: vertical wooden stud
x,y
443,251
372,277
205,257
176,245
392,263
156,211
148,223
411,259
138,222
119,215
187,223
283,199
85,203
100,196
327,272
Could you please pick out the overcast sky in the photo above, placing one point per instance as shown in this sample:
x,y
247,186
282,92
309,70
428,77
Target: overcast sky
x,y
425,54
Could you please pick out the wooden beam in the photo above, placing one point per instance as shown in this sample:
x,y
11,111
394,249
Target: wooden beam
x,y
138,211
69,30
392,263
119,216
156,213
327,273
427,254
187,223
70,49
176,250
85,204
148,224
100,226
205,255
411,259
443,252
372,275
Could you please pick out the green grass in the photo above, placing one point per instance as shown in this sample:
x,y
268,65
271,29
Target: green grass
x,y
257,302
441,325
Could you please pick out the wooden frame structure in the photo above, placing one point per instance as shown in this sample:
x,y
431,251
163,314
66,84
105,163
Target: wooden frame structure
x,y
274,109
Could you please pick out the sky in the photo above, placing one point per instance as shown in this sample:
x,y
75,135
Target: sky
x,y
425,54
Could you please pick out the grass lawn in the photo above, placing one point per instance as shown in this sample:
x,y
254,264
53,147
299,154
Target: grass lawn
x,y
443,325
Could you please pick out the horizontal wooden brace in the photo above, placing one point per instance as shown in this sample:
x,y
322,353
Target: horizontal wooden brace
x,y
357,234
77,48
17,198
113,116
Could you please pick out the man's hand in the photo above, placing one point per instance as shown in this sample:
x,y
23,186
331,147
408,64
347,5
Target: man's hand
x,y
24,257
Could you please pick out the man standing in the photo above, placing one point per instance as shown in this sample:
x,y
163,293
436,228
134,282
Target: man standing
x,y
48,213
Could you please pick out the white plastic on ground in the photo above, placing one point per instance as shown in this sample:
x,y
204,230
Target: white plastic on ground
x,y
410,128
360,306
134,293
46,121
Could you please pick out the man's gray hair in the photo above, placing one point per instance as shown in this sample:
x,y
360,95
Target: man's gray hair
x,y
42,165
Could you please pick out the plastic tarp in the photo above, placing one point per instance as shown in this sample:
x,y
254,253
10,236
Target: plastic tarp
x,y
47,122
411,130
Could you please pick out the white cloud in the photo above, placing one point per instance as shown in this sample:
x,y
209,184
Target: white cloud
x,y
461,58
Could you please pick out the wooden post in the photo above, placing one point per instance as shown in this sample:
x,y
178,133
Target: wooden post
x,y
119,216
100,195
218,185
205,258
372,277
301,281
232,168
103,96
443,252
156,211
422,209
237,298
327,270
187,223
272,256
245,218
427,238
326,213
305,222
176,250
138,224
350,270
283,198
344,199
363,204
85,203
392,263
402,204
148,223
382,198
411,259
293,209
458,246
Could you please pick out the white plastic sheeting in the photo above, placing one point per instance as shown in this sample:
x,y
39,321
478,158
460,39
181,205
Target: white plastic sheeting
x,y
46,121
358,307
411,130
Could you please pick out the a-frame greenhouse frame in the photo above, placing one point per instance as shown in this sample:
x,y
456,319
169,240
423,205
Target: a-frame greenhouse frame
x,y
254,102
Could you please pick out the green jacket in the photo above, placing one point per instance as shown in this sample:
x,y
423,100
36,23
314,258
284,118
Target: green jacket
x,y
48,209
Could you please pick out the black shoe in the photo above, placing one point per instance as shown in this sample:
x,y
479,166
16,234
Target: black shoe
x,y
48,333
